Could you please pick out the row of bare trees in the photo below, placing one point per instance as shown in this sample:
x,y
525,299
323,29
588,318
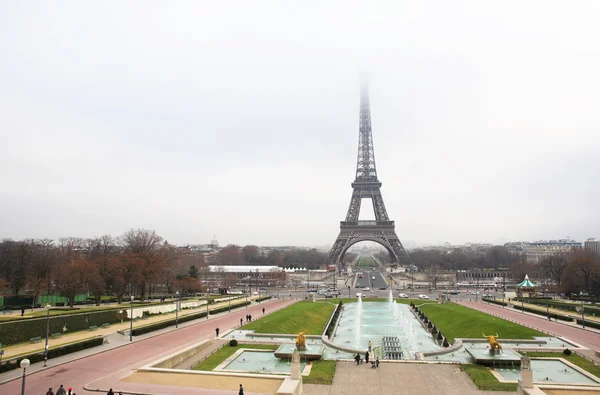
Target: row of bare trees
x,y
137,261
250,255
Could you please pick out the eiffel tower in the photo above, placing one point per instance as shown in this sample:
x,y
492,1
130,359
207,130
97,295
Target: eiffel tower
x,y
366,185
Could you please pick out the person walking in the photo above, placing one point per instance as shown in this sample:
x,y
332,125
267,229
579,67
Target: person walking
x,y
217,331
110,392
50,392
263,311
250,316
357,358
61,390
70,391
241,321
241,391
22,311
367,357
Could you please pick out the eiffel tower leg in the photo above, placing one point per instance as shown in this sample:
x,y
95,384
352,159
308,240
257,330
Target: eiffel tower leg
x,y
335,254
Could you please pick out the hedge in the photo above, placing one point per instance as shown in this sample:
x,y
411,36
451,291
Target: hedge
x,y
541,312
263,298
52,353
496,302
226,308
331,326
13,332
564,306
591,324
167,323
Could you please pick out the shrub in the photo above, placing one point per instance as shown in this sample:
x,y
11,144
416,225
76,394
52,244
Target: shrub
x,y
52,353
566,351
499,302
232,343
591,324
561,317
263,298
226,308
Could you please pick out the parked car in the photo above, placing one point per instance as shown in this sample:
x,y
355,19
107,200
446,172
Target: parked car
x,y
336,292
455,292
423,296
358,294
382,288
487,295
366,289
329,295
255,293
312,290
263,289
322,292
405,296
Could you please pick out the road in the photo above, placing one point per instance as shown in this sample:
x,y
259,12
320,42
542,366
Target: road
x,y
78,373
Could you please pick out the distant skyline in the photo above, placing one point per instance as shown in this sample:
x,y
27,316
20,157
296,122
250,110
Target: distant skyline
x,y
240,119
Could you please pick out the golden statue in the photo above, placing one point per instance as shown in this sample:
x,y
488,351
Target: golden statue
x,y
495,346
301,341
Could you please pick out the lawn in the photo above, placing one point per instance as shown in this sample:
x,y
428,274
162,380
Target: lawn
x,y
322,372
575,359
223,353
366,261
485,380
307,317
454,321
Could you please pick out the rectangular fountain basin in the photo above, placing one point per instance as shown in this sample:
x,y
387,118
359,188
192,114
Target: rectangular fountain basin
x,y
483,357
549,372
312,352
256,361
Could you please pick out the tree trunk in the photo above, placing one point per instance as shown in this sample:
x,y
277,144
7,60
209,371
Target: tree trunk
x,y
98,298
143,291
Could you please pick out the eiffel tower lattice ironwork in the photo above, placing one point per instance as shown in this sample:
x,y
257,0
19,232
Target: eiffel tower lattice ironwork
x,y
367,185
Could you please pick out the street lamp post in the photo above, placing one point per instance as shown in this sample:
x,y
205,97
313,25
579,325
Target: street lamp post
x,y
477,290
47,332
582,316
176,309
207,308
131,320
230,303
24,364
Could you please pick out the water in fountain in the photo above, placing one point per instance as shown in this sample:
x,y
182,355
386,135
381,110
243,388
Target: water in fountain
x,y
358,318
390,297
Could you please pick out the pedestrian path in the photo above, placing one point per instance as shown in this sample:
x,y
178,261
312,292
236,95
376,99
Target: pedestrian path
x,y
31,348
398,379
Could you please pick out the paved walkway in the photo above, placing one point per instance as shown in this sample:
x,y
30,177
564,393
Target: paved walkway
x,y
398,379
587,338
30,348
112,364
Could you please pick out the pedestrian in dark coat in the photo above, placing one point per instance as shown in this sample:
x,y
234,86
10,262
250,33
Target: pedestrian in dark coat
x,y
217,331
367,357
357,358
241,391
50,392
61,390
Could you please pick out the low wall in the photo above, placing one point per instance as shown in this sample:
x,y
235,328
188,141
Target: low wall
x,y
164,308
171,361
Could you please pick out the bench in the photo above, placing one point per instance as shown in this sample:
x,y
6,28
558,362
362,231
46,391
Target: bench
x,y
56,335
105,325
36,339
93,328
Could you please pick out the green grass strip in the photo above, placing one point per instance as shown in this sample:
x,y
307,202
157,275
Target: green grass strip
x,y
307,317
223,353
322,372
454,321
485,380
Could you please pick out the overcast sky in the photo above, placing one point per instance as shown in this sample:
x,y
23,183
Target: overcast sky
x,y
240,118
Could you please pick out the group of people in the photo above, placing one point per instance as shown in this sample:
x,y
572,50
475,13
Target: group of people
x,y
358,359
61,391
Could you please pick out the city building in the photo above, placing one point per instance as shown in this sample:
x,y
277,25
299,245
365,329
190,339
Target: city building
x,y
592,245
535,251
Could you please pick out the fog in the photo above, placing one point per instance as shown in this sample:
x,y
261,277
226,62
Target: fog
x,y
240,119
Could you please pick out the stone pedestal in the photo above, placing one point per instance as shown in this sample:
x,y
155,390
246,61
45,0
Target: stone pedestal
x,y
295,366
526,380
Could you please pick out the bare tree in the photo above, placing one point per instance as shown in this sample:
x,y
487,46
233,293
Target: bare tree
x,y
553,266
146,244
